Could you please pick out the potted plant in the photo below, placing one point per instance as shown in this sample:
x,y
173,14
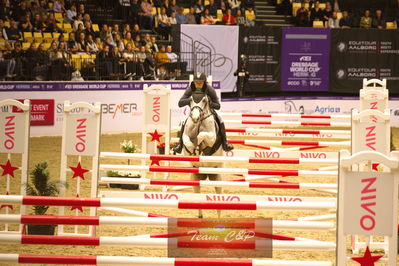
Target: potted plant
x,y
128,147
41,186
124,174
161,148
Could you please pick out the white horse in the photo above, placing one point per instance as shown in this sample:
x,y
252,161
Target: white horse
x,y
201,137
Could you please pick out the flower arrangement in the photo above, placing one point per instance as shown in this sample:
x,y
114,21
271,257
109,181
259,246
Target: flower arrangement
x,y
161,148
130,174
128,147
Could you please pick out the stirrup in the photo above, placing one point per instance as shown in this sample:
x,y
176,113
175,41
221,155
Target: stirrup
x,y
227,146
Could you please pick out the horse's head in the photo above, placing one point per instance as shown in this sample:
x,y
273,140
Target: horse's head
x,y
198,108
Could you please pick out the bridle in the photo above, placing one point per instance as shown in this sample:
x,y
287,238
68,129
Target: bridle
x,y
201,111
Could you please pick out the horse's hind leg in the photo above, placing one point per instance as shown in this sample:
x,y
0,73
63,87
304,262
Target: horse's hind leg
x,y
197,190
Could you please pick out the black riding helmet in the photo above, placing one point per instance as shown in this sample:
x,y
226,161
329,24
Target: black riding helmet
x,y
199,77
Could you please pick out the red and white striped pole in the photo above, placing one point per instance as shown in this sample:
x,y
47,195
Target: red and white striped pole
x,y
288,123
299,116
123,260
288,131
206,183
150,221
214,170
161,242
207,159
171,204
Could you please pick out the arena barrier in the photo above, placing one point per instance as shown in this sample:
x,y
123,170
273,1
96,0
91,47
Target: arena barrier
x,y
14,139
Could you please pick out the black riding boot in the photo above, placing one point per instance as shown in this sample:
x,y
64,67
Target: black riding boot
x,y
225,144
179,146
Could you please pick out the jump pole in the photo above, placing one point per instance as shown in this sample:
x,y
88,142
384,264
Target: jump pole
x,y
162,204
81,137
14,139
149,221
108,260
298,116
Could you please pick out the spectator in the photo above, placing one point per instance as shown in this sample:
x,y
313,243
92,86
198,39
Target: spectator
x,y
250,17
378,21
130,59
302,16
207,18
234,6
190,18
335,5
104,31
25,24
224,5
161,57
119,42
136,31
86,18
19,11
172,19
72,43
34,9
126,29
164,24
82,42
58,6
105,62
30,57
333,22
99,44
165,4
17,56
81,9
316,14
137,42
40,71
135,11
173,8
92,46
89,30
180,17
147,39
171,55
41,10
3,42
116,58
3,29
128,39
13,32
78,20
154,45
327,12
365,20
345,21
149,63
146,17
4,10
198,9
228,18
71,14
79,30
246,4
240,20
9,64
285,8
116,30
109,42
212,8
141,57
52,51
37,24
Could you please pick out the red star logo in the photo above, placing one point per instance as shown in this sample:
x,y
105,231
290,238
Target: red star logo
x,y
80,208
78,171
367,259
155,162
6,206
8,169
156,136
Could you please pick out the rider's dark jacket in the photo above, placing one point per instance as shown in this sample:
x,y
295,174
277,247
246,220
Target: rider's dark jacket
x,y
214,100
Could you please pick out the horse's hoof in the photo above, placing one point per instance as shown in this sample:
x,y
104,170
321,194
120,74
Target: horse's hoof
x,y
200,216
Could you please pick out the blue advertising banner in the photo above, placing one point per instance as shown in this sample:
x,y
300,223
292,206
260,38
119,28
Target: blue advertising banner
x,y
305,58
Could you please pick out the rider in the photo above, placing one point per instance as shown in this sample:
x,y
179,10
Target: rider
x,y
200,84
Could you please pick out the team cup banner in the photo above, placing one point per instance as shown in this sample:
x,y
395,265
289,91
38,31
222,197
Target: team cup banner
x,y
220,238
305,59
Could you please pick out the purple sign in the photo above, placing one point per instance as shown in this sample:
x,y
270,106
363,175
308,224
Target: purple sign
x,y
91,85
305,59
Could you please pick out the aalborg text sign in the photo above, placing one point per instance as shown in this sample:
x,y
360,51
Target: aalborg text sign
x,y
368,203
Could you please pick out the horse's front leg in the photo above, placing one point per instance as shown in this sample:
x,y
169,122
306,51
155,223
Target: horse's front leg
x,y
207,138
188,144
